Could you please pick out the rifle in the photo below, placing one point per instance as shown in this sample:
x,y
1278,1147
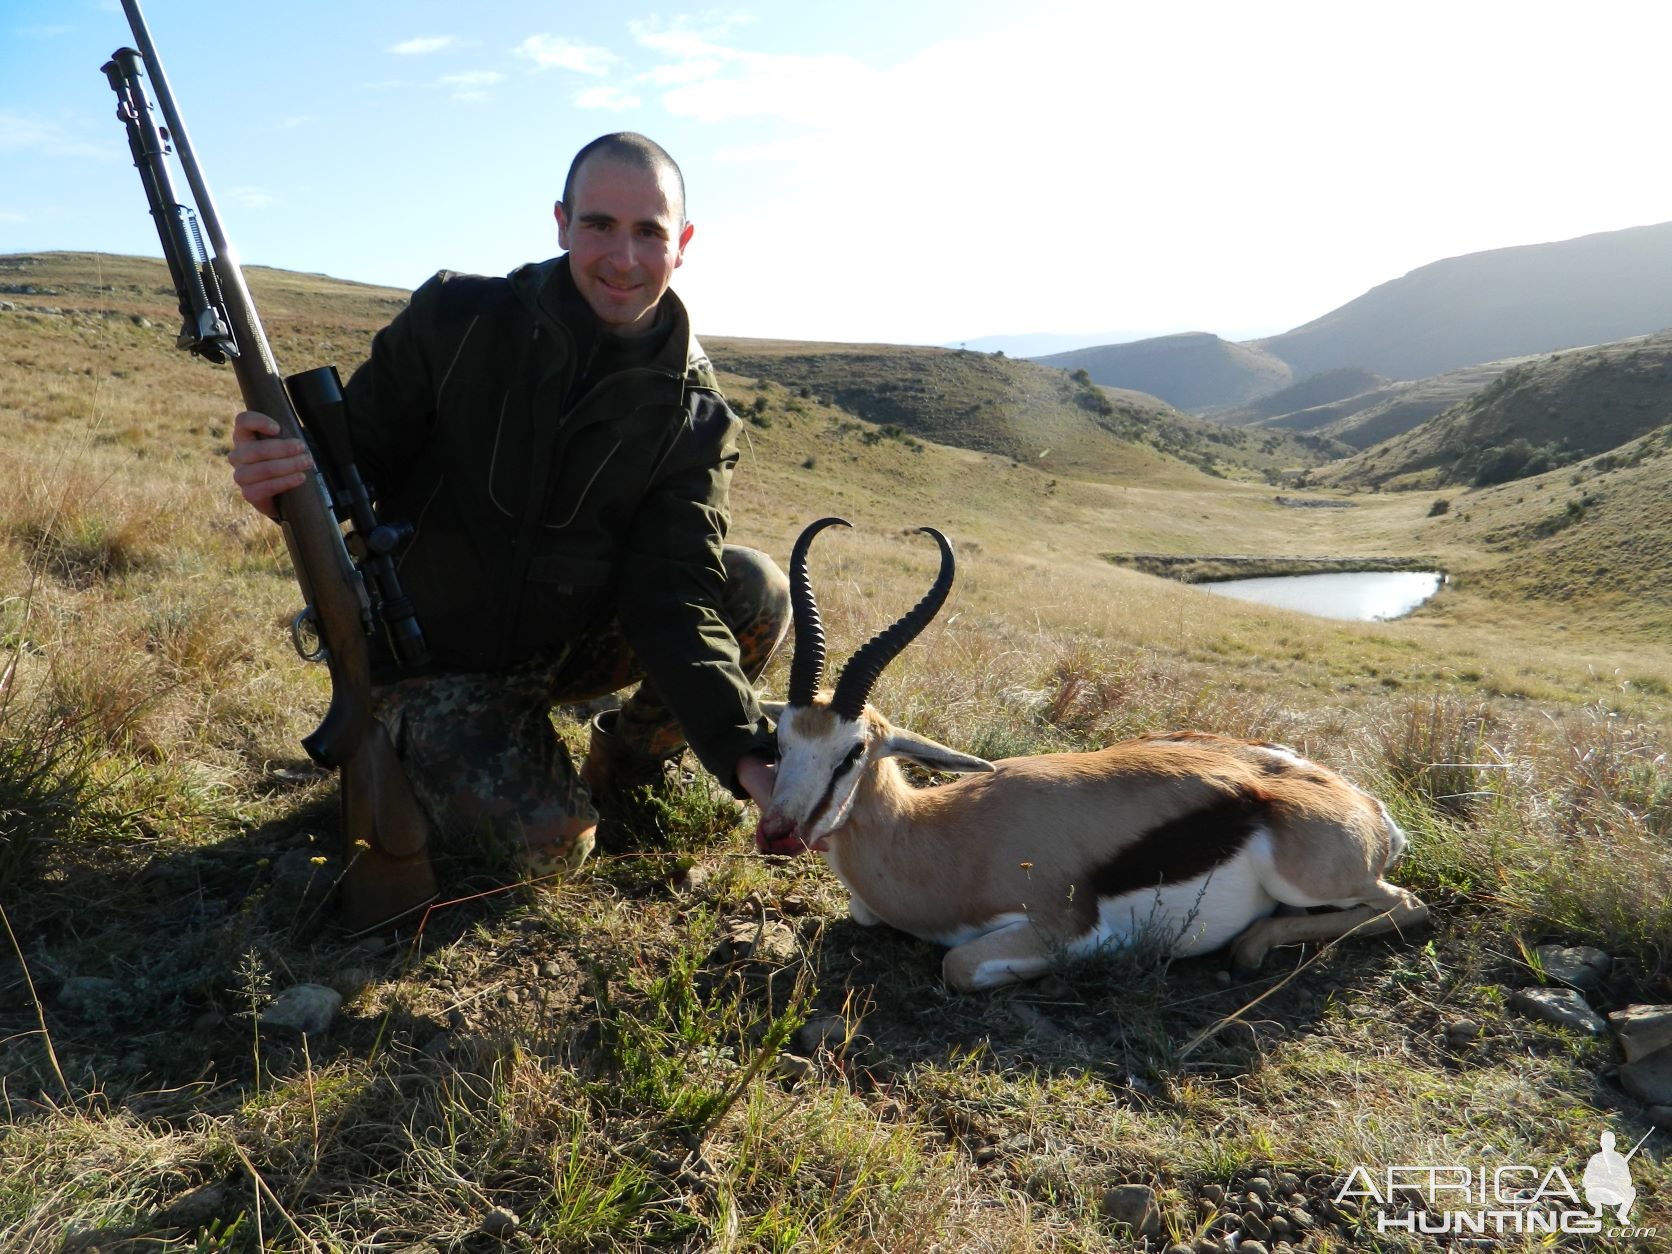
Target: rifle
x,y
349,585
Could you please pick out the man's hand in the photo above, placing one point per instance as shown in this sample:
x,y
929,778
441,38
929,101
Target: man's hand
x,y
264,466
756,776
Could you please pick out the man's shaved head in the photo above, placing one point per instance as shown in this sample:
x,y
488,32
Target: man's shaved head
x,y
630,148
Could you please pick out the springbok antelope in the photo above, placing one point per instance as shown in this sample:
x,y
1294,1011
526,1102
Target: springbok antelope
x,y
1189,837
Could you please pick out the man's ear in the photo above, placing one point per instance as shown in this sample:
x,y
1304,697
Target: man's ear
x,y
562,225
931,754
684,239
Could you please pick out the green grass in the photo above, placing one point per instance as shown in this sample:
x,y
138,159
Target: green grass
x,y
599,1064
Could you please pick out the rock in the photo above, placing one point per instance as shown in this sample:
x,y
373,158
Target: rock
x,y
1579,965
1649,1079
1260,1187
773,943
306,1009
1288,1183
1642,1030
1208,1245
351,981
1561,1006
1461,1032
1253,1226
831,1032
195,1208
1214,1193
769,944
1134,1206
90,995
794,1067
694,878
551,970
1661,1116
500,1222
1177,1249
1251,1247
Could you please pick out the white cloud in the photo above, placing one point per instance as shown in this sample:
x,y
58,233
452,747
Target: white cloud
x,y
554,52
606,97
472,78
248,197
22,132
44,32
295,121
423,45
12,216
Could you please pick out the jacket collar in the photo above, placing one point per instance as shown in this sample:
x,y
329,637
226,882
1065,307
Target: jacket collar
x,y
548,292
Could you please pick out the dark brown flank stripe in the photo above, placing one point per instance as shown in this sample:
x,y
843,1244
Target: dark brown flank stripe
x,y
1183,848
830,788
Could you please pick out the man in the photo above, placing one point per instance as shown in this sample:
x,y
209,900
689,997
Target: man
x,y
557,440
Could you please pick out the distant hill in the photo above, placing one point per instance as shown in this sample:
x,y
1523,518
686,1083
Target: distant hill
x,y
1391,409
1194,371
1547,412
1039,343
1021,409
1507,302
1309,393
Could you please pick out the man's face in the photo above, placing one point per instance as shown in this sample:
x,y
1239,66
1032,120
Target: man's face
x,y
625,239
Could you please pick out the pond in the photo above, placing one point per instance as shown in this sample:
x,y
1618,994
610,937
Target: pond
x,y
1364,596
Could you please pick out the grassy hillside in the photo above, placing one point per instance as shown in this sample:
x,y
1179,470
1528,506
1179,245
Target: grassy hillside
x,y
1486,306
1018,409
1547,412
1195,371
1391,409
600,1064
1308,393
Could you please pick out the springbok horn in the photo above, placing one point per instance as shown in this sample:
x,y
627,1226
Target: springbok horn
x,y
807,666
859,676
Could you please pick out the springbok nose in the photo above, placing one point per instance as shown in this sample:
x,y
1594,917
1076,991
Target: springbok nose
x,y
776,833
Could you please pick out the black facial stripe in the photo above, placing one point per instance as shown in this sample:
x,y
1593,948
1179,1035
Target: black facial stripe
x,y
1183,848
854,755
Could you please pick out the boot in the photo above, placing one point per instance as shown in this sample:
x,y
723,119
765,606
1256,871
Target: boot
x,y
621,781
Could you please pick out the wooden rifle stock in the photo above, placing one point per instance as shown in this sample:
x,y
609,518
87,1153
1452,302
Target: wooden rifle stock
x,y
385,829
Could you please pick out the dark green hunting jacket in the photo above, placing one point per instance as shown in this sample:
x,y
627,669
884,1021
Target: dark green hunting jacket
x,y
548,494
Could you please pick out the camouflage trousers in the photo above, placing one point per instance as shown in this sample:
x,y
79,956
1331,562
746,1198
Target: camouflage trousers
x,y
486,762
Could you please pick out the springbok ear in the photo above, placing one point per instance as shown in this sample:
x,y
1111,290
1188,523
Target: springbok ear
x,y
774,710
931,754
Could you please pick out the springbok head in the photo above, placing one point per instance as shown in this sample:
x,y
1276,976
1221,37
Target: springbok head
x,y
828,741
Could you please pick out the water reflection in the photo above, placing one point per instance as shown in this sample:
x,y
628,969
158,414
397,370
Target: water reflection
x,y
1364,596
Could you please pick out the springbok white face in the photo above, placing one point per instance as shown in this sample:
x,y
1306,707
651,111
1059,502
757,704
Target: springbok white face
x,y
828,742
822,761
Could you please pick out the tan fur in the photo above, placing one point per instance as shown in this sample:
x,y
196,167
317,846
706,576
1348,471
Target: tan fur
x,y
1022,841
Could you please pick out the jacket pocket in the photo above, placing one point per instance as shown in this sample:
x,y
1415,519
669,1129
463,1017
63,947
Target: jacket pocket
x,y
566,576
562,597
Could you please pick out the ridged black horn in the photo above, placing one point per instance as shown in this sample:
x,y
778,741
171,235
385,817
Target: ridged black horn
x,y
807,666
859,676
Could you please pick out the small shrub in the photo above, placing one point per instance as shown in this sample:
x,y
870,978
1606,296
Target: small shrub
x,y
1440,506
1433,749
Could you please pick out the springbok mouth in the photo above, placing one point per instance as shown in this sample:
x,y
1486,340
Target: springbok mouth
x,y
787,846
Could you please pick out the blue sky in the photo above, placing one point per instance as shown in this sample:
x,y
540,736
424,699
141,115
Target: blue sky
x,y
916,171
